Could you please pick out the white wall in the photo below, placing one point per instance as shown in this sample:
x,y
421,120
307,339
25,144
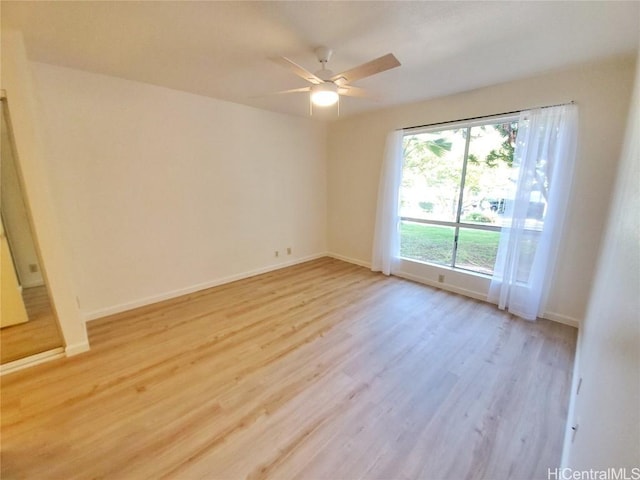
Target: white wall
x,y
607,408
162,192
601,90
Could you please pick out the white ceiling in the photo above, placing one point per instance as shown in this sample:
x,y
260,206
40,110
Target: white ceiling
x,y
221,49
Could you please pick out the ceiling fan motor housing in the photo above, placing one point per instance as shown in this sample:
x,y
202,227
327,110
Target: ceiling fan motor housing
x,y
324,74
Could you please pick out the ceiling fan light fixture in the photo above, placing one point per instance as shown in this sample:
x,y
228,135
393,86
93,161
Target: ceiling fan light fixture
x,y
325,94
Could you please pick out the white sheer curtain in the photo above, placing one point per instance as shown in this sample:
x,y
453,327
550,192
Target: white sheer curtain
x,y
386,242
545,156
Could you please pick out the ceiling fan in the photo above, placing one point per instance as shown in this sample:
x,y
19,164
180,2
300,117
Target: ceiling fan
x,y
327,87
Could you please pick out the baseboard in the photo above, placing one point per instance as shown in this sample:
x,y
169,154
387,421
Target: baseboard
x,y
413,278
32,360
554,317
76,348
355,261
443,286
89,316
564,319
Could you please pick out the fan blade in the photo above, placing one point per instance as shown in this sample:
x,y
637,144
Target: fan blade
x,y
298,70
386,62
349,91
293,90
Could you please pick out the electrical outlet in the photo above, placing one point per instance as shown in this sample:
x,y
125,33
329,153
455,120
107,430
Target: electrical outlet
x,y
277,254
33,268
288,250
440,278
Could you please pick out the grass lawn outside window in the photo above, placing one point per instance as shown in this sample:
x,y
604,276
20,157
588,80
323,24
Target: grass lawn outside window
x,y
476,249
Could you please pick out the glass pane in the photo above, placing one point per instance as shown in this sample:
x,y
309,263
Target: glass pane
x,y
536,181
526,252
427,243
490,177
431,175
477,250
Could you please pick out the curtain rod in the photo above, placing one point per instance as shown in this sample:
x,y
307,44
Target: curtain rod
x,y
572,102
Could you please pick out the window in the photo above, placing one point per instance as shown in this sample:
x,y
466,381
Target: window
x,y
486,196
457,182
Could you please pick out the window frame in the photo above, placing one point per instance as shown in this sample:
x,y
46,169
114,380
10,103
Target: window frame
x,y
468,125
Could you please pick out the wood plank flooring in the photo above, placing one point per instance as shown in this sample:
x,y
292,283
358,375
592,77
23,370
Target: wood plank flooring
x,y
38,335
323,370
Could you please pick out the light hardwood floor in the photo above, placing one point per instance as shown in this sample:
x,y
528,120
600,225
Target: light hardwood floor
x,y
321,370
38,335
